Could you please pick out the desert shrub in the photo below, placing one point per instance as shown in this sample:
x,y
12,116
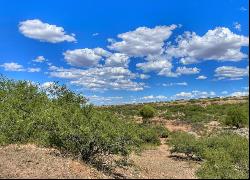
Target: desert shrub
x,y
149,136
225,155
190,113
168,115
197,114
182,142
147,112
57,117
236,117
161,131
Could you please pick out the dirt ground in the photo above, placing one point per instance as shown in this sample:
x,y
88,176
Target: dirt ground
x,y
30,161
158,164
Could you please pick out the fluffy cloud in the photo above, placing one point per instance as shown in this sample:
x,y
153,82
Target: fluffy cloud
x,y
201,77
218,44
237,26
144,76
39,59
117,60
12,67
152,97
95,34
36,29
231,72
101,52
194,94
175,84
185,70
143,41
47,84
164,67
157,65
240,93
183,95
84,57
100,78
17,67
33,69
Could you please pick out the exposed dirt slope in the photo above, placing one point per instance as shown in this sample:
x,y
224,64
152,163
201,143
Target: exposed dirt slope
x,y
29,161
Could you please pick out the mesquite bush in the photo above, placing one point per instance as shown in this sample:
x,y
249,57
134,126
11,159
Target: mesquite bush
x,y
58,117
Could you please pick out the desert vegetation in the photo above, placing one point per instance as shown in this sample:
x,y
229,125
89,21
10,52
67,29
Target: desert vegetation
x,y
56,117
225,155
147,112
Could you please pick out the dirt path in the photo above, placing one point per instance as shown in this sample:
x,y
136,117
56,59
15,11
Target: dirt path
x,y
157,164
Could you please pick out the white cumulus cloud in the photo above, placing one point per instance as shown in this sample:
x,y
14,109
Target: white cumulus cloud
x,y
185,70
36,29
12,66
117,60
46,85
33,69
194,94
157,65
237,26
218,44
231,72
83,57
175,84
100,78
39,59
143,41
240,93
201,77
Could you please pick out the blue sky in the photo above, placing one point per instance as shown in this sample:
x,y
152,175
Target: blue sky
x,y
129,51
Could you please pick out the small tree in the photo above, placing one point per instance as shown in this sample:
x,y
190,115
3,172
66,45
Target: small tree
x,y
147,112
236,117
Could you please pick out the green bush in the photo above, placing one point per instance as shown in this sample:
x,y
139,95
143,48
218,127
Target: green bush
x,y
150,136
182,142
225,155
161,131
236,117
57,117
157,131
147,112
197,114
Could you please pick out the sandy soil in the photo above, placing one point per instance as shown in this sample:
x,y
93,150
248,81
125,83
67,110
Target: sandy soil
x,y
158,164
29,161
